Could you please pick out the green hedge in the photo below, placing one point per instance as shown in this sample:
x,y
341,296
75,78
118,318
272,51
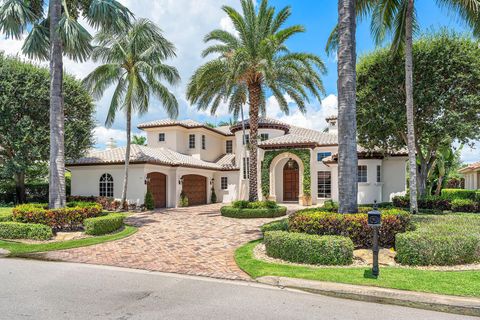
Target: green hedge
x,y
243,204
278,225
246,213
354,226
465,205
4,217
69,218
16,230
103,225
452,194
311,249
443,240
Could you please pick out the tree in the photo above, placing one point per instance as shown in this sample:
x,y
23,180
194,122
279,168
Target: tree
x,y
140,140
251,61
51,35
230,122
134,61
24,121
446,82
447,161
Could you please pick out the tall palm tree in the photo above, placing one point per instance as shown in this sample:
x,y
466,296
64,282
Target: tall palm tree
x,y
52,35
347,114
134,62
251,61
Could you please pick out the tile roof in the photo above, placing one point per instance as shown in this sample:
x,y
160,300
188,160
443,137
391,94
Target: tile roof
x,y
471,167
189,124
143,154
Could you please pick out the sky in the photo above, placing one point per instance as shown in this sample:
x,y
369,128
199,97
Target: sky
x,y
185,23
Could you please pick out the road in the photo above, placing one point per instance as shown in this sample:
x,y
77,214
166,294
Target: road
x,y
31,289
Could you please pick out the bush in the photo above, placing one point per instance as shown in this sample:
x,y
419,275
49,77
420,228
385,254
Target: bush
x,y
103,225
279,225
4,217
330,205
426,248
246,213
34,192
16,230
354,226
464,205
311,249
452,194
401,201
109,204
438,203
148,201
69,218
213,196
243,204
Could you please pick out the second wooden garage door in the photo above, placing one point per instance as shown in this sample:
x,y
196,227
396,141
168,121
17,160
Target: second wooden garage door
x,y
195,188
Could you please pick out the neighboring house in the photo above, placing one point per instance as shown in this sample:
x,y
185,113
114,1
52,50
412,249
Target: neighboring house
x,y
190,156
471,174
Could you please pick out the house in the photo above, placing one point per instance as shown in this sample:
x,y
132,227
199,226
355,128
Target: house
x,y
471,173
194,158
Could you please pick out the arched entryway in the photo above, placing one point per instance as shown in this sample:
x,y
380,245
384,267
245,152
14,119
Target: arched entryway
x,y
291,181
195,188
157,185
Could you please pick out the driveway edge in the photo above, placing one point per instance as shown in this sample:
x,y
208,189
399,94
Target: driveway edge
x,y
450,304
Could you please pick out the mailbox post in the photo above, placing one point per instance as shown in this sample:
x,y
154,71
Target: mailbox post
x,y
375,221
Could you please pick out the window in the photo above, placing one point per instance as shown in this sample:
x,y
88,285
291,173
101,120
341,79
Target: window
x,y
203,142
263,136
191,141
362,173
229,146
247,139
161,137
224,183
379,173
323,155
246,167
106,185
324,184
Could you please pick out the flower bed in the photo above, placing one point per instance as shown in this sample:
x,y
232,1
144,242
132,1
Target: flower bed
x,y
109,204
258,209
354,226
311,249
17,230
69,218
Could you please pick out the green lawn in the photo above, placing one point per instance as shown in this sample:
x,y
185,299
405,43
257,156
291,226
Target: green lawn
x,y
5,210
18,248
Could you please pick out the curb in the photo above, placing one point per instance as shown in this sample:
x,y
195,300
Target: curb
x,y
450,304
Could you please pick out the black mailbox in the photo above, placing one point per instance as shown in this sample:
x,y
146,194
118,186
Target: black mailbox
x,y
374,218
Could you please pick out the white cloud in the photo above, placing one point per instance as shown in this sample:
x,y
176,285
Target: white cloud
x,y
470,154
103,134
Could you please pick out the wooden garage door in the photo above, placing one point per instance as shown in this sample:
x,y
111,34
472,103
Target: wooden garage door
x,y
195,188
157,185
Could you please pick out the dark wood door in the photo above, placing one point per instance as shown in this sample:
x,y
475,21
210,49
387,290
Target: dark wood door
x,y
157,185
195,188
290,181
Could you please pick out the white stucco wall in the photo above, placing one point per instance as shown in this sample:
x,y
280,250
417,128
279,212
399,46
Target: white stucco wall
x,y
232,191
394,176
472,180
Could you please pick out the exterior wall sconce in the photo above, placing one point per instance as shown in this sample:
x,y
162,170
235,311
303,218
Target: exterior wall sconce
x,y
180,181
212,181
147,180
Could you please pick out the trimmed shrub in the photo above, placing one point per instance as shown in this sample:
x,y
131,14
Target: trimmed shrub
x,y
429,248
148,201
306,248
464,205
354,226
17,230
69,218
279,225
401,201
247,213
4,217
103,225
109,204
213,196
452,194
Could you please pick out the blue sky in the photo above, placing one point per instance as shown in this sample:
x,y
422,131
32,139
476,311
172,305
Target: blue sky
x,y
185,22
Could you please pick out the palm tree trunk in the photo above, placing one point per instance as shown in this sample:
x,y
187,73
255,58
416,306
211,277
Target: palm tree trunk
x,y
347,120
254,93
409,105
127,157
57,156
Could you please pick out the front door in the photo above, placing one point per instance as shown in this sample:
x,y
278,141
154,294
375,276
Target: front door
x,y
290,181
157,185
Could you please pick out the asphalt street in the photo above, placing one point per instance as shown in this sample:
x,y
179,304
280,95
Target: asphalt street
x,y
31,289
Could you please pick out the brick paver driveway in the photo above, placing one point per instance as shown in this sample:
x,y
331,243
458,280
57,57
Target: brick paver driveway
x,y
194,240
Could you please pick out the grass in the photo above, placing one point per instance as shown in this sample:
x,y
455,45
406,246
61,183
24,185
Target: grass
x,y
18,248
5,210
459,283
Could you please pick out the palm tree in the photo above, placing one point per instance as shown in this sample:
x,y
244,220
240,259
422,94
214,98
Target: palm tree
x,y
251,61
52,35
134,61
139,140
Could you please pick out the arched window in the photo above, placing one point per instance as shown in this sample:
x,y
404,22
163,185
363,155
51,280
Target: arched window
x,y
106,185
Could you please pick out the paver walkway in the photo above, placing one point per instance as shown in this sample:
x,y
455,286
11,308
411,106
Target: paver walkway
x,y
194,240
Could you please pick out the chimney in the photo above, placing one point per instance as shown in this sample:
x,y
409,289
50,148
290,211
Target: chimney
x,y
111,144
332,124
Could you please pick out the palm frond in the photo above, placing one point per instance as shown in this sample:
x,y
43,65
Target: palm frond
x,y
15,16
108,15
